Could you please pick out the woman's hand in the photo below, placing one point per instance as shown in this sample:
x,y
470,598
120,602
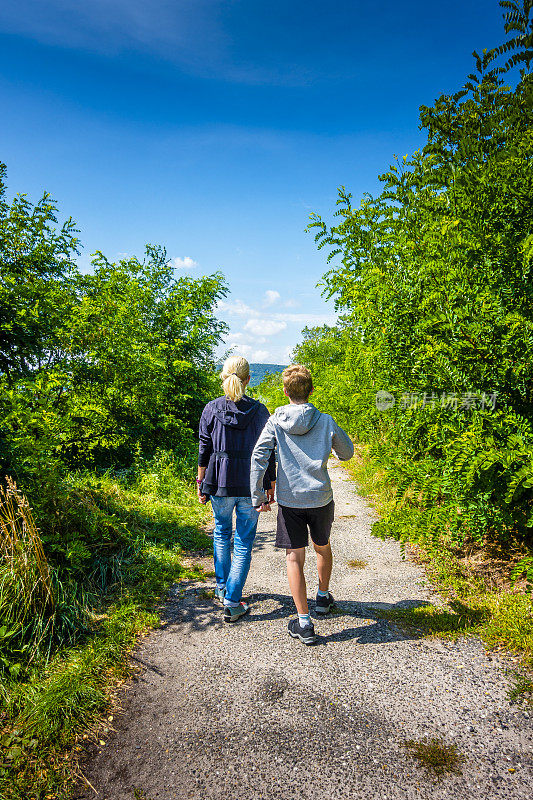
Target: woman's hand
x,y
202,498
263,507
270,493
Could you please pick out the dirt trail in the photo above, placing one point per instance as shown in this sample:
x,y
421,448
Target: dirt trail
x,y
243,711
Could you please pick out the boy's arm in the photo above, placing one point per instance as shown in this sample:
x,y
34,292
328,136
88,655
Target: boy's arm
x,y
261,456
269,480
341,442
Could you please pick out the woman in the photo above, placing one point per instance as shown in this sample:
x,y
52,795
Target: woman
x,y
229,429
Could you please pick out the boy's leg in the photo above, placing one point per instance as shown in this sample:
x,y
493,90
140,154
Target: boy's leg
x,y
295,574
324,563
292,534
320,522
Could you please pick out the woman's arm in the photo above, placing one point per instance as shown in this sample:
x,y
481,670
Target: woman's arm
x,y
206,443
202,498
270,477
204,452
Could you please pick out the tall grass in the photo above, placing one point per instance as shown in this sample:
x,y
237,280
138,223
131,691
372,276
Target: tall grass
x,y
27,597
87,610
21,547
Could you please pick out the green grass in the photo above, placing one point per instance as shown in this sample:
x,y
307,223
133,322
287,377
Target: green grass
x,y
436,756
503,618
456,620
521,688
140,794
59,700
371,478
357,563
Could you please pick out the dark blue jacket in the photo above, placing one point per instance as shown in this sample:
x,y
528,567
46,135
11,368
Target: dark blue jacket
x,y
228,433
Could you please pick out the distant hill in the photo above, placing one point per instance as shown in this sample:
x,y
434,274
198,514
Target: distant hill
x,y
259,371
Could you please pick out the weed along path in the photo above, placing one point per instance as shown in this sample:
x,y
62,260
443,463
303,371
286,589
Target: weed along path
x,y
244,712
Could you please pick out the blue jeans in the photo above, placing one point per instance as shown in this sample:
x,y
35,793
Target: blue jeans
x,y
232,573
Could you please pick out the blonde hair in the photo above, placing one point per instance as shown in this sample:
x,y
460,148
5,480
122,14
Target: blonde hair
x,y
297,382
235,373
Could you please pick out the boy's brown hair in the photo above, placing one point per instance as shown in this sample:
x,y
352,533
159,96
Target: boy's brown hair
x,y
297,382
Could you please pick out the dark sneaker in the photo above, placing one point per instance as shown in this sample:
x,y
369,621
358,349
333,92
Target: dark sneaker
x,y
233,613
220,594
305,635
324,604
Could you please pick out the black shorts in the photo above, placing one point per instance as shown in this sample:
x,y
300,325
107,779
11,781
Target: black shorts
x,y
293,524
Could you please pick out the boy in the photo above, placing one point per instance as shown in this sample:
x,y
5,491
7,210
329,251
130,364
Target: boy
x,y
304,438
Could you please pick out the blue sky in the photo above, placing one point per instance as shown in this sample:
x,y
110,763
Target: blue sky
x,y
215,127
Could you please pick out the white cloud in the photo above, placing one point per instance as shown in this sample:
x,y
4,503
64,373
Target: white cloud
x,y
270,297
250,353
254,329
260,355
259,320
287,355
245,338
184,263
241,349
306,319
265,327
236,308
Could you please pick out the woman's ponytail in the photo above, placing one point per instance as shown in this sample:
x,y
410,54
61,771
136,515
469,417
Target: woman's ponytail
x,y
235,374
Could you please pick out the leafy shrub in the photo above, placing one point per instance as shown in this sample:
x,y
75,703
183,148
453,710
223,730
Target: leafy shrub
x,y
28,596
433,279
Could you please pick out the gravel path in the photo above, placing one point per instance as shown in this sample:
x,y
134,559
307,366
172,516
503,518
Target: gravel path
x,y
244,712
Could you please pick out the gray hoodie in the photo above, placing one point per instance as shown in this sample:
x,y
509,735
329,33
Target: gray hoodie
x,y
304,437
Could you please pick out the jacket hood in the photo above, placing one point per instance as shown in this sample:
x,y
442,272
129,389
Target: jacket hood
x,y
235,415
297,418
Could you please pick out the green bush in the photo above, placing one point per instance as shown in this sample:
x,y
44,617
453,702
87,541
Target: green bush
x,y
433,277
103,377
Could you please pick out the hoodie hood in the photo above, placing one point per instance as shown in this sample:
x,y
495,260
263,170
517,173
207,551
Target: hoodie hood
x,y
235,415
297,418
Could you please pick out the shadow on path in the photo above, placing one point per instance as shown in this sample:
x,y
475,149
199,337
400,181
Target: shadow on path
x,y
190,604
374,628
